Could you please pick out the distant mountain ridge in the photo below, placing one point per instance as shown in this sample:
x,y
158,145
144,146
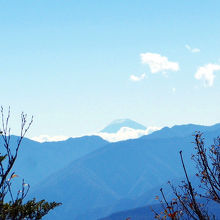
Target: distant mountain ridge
x,y
38,160
116,125
181,131
108,179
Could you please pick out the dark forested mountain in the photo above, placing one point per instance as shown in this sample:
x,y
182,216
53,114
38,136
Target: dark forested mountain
x,y
145,213
141,213
117,176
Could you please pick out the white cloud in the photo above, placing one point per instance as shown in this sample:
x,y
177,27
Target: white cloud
x,y
192,50
206,73
137,78
173,90
126,133
195,50
47,138
158,63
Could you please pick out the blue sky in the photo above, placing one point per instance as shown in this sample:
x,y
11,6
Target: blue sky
x,y
77,65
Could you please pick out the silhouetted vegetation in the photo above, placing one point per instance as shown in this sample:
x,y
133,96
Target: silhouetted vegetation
x,y
12,205
190,202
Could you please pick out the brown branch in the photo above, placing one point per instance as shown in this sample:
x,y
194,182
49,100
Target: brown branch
x,y
195,205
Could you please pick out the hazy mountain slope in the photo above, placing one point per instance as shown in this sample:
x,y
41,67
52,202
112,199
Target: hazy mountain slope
x,y
78,189
118,171
38,160
127,169
146,199
143,205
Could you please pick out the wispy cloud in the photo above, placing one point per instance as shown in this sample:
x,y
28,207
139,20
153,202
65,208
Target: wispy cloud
x,y
135,78
47,138
126,133
158,63
206,73
192,50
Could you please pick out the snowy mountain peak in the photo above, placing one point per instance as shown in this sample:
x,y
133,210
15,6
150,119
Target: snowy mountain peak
x,y
116,125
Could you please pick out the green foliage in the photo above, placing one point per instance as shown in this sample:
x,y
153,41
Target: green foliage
x,y
30,210
2,158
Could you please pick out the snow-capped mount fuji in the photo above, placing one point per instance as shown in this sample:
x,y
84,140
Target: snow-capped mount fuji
x,y
116,125
124,129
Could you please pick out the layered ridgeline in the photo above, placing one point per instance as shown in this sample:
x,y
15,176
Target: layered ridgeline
x,y
121,175
38,160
